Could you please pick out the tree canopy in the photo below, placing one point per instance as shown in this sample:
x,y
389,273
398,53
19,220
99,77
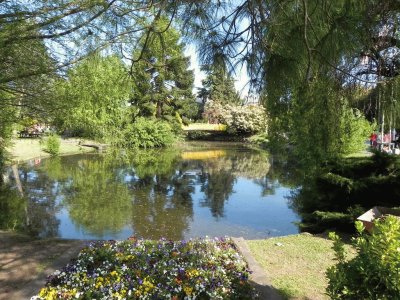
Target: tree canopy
x,y
218,86
294,50
95,96
162,81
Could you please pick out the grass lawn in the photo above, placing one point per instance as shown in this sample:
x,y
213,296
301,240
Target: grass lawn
x,y
28,148
295,264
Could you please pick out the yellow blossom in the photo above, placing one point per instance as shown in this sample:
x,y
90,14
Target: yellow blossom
x,y
188,290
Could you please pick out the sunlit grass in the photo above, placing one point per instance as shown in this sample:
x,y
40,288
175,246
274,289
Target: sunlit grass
x,y
23,149
296,264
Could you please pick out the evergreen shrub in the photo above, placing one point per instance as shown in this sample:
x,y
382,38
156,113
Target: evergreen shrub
x,y
346,188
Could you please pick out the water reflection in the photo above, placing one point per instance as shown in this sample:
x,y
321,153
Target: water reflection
x,y
218,190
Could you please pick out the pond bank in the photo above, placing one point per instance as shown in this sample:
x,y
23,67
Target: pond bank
x,y
23,149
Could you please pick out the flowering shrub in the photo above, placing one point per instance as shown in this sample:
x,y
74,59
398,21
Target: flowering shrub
x,y
140,269
240,119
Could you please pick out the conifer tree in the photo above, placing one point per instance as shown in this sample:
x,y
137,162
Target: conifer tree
x,y
218,86
162,81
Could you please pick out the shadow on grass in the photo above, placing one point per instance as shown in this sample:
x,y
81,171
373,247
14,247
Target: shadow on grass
x,y
267,292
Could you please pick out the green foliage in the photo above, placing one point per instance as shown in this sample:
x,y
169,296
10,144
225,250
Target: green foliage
x,y
95,94
240,119
354,129
219,86
323,125
52,144
145,133
344,189
162,83
88,196
260,139
375,271
7,117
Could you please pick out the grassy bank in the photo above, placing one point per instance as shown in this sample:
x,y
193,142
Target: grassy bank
x,y
295,264
24,148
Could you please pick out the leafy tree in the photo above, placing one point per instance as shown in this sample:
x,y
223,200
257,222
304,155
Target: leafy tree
x,y
344,188
21,96
162,82
218,86
95,94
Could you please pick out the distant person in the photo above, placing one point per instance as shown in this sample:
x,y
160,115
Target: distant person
x,y
373,139
387,138
394,133
397,140
386,149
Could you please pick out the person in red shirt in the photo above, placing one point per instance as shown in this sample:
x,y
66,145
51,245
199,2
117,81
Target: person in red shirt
x,y
373,139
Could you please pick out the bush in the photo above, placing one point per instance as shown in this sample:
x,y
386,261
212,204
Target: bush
x,y
260,139
146,133
240,119
375,271
52,144
347,186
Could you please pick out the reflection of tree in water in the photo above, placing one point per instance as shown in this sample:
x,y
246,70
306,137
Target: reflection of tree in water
x,y
163,205
36,203
219,176
12,209
268,185
284,171
150,162
217,188
96,199
151,189
246,164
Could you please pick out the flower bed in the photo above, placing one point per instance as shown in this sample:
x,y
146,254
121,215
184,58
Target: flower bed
x,y
142,269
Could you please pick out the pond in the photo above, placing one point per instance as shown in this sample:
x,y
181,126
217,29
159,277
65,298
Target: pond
x,y
194,190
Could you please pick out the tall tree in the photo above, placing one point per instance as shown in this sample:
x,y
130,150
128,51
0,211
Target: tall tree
x,y
163,82
218,86
96,94
21,96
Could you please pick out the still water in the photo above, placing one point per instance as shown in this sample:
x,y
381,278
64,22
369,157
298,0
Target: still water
x,y
196,190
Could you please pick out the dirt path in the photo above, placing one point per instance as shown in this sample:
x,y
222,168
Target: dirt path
x,y
25,263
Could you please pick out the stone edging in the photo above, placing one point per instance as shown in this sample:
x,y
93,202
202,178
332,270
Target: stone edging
x,y
258,278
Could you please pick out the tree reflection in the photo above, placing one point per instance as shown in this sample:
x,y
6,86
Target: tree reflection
x,y
217,188
32,205
163,205
12,209
97,202
150,190
219,176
